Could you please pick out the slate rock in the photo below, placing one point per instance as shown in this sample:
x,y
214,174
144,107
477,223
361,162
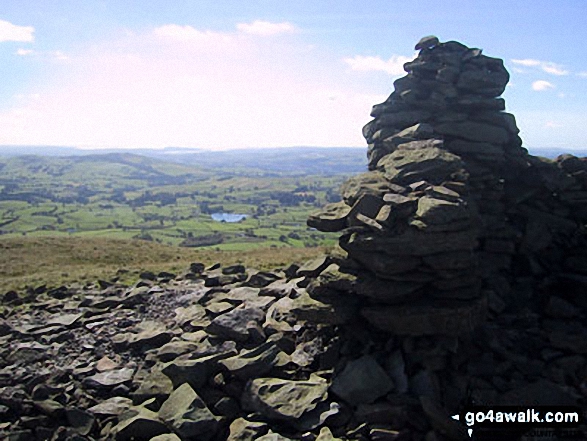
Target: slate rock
x,y
279,399
187,314
244,430
150,335
318,416
313,268
80,420
176,348
67,320
418,160
384,266
111,406
384,291
427,42
106,364
373,183
155,385
139,423
410,243
362,381
5,328
334,311
273,436
261,279
188,415
433,211
474,131
332,278
326,435
234,269
430,318
367,205
402,120
109,379
197,267
252,363
396,369
196,371
51,408
166,437
333,217
234,324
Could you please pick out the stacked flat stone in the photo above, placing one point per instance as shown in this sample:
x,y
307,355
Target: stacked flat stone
x,y
447,174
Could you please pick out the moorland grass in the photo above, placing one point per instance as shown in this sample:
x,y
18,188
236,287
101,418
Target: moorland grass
x,y
55,261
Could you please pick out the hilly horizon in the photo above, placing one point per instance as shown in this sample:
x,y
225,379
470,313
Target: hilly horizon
x,y
303,160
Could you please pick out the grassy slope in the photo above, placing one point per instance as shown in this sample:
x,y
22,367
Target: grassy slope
x,y
53,239
29,261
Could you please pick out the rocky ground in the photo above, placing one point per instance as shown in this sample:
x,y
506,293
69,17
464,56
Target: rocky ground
x,y
234,354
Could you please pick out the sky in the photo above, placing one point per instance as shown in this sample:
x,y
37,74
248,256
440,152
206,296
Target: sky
x,y
223,74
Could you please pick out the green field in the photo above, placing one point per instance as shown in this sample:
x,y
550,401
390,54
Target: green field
x,y
113,204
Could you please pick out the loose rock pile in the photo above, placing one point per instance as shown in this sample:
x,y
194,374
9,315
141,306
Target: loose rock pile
x,y
454,212
462,284
215,354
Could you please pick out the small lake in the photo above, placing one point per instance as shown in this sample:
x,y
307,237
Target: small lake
x,y
228,217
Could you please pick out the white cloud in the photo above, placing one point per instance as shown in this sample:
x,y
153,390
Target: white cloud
x,y
58,55
527,62
541,85
546,66
393,66
552,125
11,32
554,69
186,33
23,52
181,86
582,74
265,28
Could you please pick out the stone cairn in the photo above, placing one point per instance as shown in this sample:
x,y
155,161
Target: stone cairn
x,y
454,213
463,283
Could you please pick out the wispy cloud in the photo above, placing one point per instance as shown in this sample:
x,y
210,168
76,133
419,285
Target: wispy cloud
x,y
186,33
527,62
266,28
582,74
546,66
554,69
552,125
59,55
180,85
393,66
12,32
23,52
541,85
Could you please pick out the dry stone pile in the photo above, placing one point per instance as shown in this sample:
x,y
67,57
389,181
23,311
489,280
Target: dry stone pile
x,y
454,213
463,283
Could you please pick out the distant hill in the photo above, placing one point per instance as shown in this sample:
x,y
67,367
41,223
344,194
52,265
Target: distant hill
x,y
293,161
95,168
549,152
283,161
286,160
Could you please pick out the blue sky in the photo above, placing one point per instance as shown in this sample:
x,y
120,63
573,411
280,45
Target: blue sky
x,y
266,73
